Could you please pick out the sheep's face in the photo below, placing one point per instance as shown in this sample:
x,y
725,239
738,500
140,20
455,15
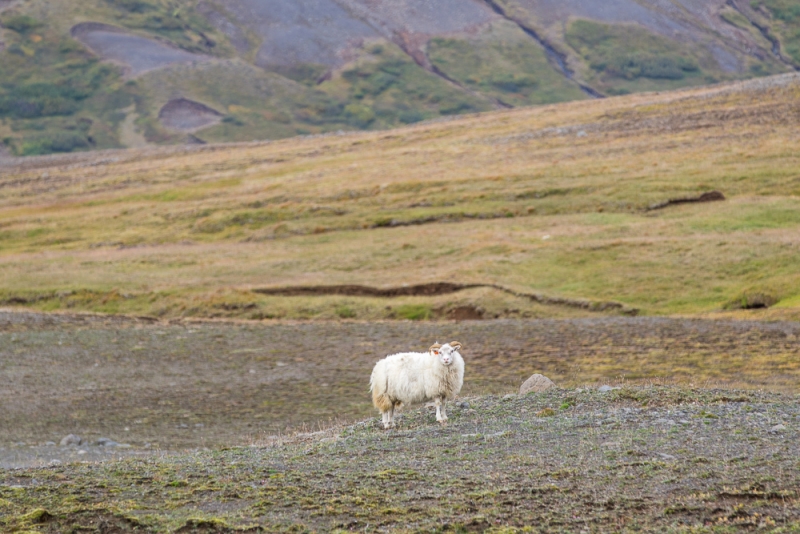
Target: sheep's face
x,y
447,354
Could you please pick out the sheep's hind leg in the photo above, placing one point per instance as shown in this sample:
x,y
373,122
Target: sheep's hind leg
x,y
441,413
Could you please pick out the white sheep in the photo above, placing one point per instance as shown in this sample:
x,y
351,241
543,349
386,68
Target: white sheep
x,y
411,377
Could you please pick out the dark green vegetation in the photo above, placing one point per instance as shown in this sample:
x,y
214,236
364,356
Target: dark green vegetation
x,y
55,96
503,63
626,58
785,23
67,102
386,88
655,458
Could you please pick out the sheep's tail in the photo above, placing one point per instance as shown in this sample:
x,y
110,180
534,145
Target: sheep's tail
x,y
379,383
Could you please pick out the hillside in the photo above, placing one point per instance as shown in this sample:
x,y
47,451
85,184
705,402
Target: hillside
x,y
569,460
101,74
568,210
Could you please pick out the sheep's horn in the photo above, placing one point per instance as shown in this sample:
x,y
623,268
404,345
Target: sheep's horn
x,y
435,346
455,344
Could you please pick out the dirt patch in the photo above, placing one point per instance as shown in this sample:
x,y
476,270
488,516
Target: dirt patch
x,y
753,301
465,313
97,521
187,115
137,54
710,196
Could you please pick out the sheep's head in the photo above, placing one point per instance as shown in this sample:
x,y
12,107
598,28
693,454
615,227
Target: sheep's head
x,y
448,351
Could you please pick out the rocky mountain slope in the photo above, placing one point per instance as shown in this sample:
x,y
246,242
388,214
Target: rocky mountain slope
x,y
113,73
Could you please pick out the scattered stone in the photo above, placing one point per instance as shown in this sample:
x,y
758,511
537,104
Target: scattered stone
x,y
106,442
662,421
54,463
536,384
666,456
49,443
464,405
685,422
508,397
778,428
81,451
71,439
606,389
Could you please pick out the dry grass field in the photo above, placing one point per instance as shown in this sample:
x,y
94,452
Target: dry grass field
x,y
551,201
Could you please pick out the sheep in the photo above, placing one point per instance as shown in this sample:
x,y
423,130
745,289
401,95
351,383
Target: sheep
x,y
411,377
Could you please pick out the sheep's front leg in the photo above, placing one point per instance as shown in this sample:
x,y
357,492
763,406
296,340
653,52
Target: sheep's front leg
x,y
441,413
385,419
388,418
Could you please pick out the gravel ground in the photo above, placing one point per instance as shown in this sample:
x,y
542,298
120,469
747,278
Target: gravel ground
x,y
193,385
656,458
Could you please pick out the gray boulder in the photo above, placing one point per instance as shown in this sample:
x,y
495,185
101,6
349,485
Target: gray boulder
x,y
71,439
536,384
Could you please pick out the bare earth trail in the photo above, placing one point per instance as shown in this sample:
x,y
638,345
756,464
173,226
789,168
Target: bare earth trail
x,y
190,384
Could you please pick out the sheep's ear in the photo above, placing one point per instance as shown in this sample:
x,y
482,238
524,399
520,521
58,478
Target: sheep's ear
x,y
456,345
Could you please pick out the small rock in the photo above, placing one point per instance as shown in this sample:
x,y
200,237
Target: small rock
x,y
509,396
778,428
606,389
81,451
536,384
71,439
464,405
666,456
49,443
54,463
105,442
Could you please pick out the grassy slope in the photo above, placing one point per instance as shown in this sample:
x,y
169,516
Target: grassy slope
x,y
784,23
504,63
170,232
624,59
664,459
